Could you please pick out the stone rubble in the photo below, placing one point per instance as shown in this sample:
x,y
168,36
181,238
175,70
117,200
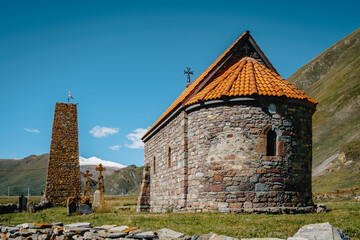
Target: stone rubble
x,y
84,231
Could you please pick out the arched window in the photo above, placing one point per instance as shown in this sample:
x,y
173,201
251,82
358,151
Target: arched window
x,y
271,143
154,165
169,157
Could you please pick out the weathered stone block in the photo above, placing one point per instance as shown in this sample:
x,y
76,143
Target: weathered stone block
x,y
260,187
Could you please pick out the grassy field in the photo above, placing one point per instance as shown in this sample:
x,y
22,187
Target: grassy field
x,y
343,214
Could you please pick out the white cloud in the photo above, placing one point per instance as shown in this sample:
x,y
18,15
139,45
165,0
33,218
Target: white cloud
x,y
115,147
135,138
97,161
32,130
100,132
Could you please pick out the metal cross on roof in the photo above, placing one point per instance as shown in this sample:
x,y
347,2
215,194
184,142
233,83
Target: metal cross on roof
x,y
188,72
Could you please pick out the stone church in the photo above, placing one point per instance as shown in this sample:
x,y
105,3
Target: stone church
x,y
238,139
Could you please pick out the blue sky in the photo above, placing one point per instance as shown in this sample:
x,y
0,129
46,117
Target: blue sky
x,y
123,61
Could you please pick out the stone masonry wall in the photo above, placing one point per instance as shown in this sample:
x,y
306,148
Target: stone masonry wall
x,y
63,176
166,182
220,162
228,167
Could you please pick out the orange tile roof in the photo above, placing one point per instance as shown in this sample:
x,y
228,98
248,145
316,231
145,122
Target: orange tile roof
x,y
248,77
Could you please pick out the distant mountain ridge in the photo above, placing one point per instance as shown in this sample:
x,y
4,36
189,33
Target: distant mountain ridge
x,y
31,172
97,161
333,79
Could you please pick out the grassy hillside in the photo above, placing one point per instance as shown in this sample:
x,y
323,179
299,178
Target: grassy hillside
x,y
124,181
31,171
333,79
21,173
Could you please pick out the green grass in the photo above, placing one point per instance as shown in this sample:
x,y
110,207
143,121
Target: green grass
x,y
344,215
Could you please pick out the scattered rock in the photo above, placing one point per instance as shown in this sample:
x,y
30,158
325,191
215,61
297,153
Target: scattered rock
x,y
8,208
320,208
118,229
58,230
145,235
116,235
194,237
12,229
214,236
166,233
43,205
85,208
24,225
321,231
25,232
84,231
57,224
78,225
39,225
104,227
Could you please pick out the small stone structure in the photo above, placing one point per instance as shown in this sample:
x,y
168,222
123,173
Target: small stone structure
x,y
22,203
97,199
8,208
63,176
238,139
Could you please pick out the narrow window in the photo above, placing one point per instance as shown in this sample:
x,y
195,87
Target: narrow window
x,y
169,157
154,165
271,143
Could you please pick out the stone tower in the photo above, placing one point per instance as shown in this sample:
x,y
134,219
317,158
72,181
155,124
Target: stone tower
x,y
63,176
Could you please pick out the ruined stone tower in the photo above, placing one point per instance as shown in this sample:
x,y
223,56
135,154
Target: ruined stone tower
x,y
63,176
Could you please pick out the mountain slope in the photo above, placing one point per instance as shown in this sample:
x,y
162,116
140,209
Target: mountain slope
x,y
21,173
124,181
31,171
333,79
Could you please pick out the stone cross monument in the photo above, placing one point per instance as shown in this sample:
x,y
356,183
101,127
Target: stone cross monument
x,y
63,176
100,186
87,187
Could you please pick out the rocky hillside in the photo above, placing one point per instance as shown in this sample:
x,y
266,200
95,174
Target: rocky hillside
x,y
333,79
31,171
124,181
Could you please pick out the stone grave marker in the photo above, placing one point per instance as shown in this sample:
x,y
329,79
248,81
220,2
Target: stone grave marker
x,y
87,188
71,206
85,208
100,186
22,203
97,199
31,207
